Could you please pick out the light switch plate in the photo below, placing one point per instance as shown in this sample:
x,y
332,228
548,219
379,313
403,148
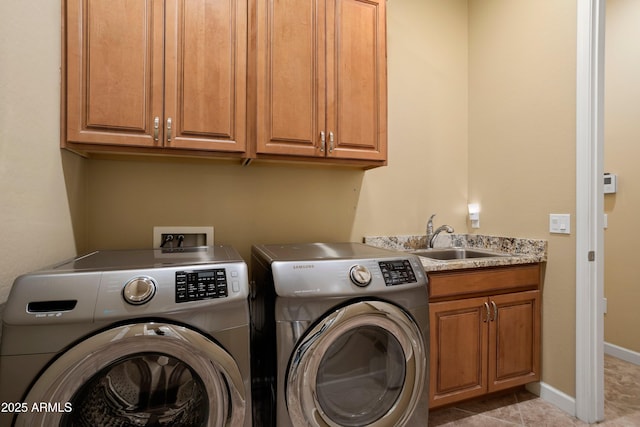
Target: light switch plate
x,y
560,223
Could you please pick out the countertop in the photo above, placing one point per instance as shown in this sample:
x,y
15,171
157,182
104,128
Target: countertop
x,y
516,250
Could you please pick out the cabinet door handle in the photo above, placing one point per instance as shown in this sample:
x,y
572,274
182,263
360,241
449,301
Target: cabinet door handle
x,y
331,142
495,311
322,141
169,129
488,318
156,128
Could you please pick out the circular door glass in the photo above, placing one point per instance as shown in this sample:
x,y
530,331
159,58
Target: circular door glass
x,y
360,376
182,379
150,389
361,364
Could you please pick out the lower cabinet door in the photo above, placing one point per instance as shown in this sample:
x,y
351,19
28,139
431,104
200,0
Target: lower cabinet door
x,y
458,355
514,340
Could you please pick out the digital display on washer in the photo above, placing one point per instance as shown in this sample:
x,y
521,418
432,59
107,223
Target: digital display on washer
x,y
201,284
397,272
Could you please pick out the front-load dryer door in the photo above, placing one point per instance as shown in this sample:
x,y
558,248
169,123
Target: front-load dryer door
x,y
146,374
362,365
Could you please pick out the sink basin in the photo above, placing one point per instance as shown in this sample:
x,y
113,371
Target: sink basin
x,y
452,254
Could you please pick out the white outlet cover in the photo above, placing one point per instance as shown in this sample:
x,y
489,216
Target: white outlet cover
x,y
560,223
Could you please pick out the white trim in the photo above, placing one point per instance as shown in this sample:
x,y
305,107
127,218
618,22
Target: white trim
x,y
553,396
622,353
589,402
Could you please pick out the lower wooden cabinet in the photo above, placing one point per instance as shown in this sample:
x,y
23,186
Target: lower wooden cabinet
x,y
484,343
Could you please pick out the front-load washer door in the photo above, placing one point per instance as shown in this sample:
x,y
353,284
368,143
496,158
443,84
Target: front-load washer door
x,y
362,365
145,374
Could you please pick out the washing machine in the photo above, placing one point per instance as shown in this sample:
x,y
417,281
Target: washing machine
x,y
129,338
341,335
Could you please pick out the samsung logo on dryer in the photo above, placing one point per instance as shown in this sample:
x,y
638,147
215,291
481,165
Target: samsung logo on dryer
x,y
303,266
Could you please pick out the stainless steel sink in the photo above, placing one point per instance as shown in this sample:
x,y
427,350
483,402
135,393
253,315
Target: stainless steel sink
x,y
452,254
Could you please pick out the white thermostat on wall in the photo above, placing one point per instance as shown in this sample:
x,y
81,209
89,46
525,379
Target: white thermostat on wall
x,y
610,183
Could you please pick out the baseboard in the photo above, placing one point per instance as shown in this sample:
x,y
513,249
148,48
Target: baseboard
x,y
622,353
568,403
554,396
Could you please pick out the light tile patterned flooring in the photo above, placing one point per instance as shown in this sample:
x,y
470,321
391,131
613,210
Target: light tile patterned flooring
x,y
521,408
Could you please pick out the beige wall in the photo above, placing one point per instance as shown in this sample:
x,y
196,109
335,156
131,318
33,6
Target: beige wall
x,y
262,203
428,115
35,214
56,204
481,107
622,127
522,147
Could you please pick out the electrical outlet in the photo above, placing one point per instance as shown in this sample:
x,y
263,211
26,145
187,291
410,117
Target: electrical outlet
x,y
560,223
169,237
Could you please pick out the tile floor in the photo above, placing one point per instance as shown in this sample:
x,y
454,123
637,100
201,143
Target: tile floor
x,y
521,408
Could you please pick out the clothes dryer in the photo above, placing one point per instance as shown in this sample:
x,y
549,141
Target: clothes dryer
x,y
341,332
129,338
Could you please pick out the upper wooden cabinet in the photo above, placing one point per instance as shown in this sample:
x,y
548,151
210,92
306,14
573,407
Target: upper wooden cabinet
x,y
156,74
321,79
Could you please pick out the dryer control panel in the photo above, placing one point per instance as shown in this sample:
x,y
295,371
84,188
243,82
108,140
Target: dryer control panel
x,y
201,284
397,272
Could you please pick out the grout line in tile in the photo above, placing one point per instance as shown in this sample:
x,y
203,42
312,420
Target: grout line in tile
x,y
480,415
519,409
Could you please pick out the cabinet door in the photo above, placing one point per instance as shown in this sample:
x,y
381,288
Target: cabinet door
x,y
458,355
356,79
114,51
290,77
205,80
514,340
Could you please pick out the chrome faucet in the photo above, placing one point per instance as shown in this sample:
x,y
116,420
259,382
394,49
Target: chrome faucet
x,y
431,235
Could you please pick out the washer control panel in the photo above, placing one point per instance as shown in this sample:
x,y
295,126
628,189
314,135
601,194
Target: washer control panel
x,y
342,277
199,285
397,272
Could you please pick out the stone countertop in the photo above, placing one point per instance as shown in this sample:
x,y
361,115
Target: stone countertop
x,y
517,250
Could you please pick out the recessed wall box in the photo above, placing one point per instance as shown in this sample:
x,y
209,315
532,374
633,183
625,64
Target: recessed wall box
x,y
170,237
610,183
